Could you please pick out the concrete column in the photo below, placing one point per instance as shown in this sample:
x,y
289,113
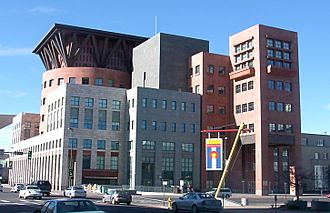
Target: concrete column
x,y
78,172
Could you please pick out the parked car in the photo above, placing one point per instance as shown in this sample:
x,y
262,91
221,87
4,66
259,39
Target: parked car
x,y
224,192
74,191
116,196
69,205
44,186
30,191
1,188
196,202
17,187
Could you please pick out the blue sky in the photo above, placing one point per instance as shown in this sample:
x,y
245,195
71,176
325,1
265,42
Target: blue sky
x,y
24,23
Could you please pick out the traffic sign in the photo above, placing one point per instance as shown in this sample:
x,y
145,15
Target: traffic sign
x,y
214,151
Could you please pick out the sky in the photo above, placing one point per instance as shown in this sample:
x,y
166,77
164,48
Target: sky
x,y
24,23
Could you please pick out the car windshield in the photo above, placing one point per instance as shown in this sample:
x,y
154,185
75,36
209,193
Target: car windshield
x,y
32,187
77,188
75,206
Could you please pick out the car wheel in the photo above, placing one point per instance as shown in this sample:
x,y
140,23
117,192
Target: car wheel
x,y
194,209
227,196
113,201
129,203
48,194
24,197
174,208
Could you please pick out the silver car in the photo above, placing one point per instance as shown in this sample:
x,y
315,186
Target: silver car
x,y
30,191
197,202
17,187
75,191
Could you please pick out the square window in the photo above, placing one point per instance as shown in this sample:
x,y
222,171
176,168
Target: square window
x,y
222,70
210,69
164,104
269,42
197,69
221,90
238,88
278,44
98,81
85,80
144,102
210,89
279,85
154,103
244,87
244,107
238,109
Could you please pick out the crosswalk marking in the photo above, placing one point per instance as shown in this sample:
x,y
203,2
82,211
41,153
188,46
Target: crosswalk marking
x,y
5,201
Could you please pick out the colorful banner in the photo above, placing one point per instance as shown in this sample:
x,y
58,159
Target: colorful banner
x,y
213,154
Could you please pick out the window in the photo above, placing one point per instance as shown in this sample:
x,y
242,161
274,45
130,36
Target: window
x,y
132,125
173,105
72,80
279,85
286,45
325,156
173,127
278,44
222,110
275,166
74,101
60,81
111,83
154,103
237,48
238,88
187,165
73,143
270,53
271,84
270,42
210,89
270,62
320,142
238,109
278,63
99,162
272,127
250,85
288,107
103,103
183,106
280,127
74,116
89,102
114,145
288,86
144,124
115,125
221,90
287,65
286,56
244,107
197,89
280,107
85,81
88,120
168,146
244,87
183,127
114,162
51,82
192,128
87,143
144,102
163,126
271,106
115,105
210,109
98,81
100,144
197,69
193,107
102,120
148,145
154,125
251,127
316,155
288,128
86,161
211,69
222,70
187,147
278,54
251,106
164,104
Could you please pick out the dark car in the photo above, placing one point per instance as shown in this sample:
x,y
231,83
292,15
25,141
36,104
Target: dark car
x,y
116,196
44,186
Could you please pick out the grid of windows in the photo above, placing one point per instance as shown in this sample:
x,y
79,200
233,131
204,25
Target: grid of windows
x,y
243,55
148,145
187,147
244,107
244,87
278,53
168,164
168,146
287,128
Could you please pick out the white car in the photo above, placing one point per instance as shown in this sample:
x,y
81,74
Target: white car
x,y
17,187
74,191
30,191
1,188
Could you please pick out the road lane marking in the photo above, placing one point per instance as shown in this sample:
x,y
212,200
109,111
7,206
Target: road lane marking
x,y
5,201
